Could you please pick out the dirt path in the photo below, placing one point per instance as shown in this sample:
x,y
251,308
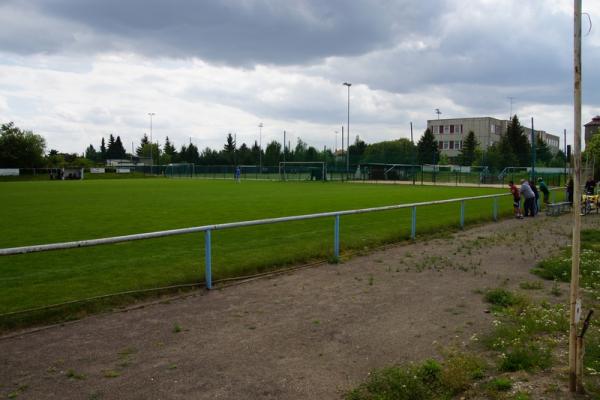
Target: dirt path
x,y
309,334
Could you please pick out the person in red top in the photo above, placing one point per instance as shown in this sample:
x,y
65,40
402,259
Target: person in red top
x,y
516,199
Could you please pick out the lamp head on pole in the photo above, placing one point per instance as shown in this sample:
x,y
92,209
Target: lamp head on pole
x,y
347,84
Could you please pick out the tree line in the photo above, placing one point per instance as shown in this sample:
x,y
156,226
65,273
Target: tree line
x,y
25,149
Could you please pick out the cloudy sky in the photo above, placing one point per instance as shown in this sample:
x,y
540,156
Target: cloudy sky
x,y
77,70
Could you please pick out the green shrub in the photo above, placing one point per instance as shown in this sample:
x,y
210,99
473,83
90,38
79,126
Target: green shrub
x,y
501,384
430,372
533,285
395,383
459,371
526,357
501,297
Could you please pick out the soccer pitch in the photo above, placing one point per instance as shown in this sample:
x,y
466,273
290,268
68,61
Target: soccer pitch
x,y
48,212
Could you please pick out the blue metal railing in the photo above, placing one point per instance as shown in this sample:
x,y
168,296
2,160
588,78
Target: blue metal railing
x,y
207,229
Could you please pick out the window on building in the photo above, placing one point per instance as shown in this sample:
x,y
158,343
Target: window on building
x,y
461,128
451,128
441,127
446,128
446,145
493,128
452,145
440,145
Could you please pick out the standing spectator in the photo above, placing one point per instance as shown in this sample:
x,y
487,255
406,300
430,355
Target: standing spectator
x,y
544,190
237,174
529,197
516,199
536,201
590,186
570,191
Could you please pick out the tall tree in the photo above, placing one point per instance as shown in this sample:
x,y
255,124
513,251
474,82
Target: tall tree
x,y
119,150
140,150
518,142
427,149
300,151
169,154
468,151
400,151
169,148
20,148
272,154
102,150
91,154
357,149
229,149
256,152
542,151
189,154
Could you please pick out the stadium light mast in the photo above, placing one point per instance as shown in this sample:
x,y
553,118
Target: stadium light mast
x,y
260,126
348,84
151,114
438,112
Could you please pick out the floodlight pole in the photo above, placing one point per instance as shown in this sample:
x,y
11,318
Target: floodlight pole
x,y
284,177
565,147
413,157
260,126
533,145
348,132
574,300
151,114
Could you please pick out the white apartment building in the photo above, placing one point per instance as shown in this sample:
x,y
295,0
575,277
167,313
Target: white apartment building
x,y
451,132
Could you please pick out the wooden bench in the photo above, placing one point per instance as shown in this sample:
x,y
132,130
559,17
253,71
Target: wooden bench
x,y
555,209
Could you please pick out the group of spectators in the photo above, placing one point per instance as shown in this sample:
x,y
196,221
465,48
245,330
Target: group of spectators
x,y
589,189
530,194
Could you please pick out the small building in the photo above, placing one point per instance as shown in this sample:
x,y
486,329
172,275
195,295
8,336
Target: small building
x,y
450,133
591,128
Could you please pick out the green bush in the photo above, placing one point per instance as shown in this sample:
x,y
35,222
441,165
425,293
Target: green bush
x,y
459,371
526,357
501,384
395,383
501,297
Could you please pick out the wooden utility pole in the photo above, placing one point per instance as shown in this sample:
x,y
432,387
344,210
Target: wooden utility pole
x,y
575,302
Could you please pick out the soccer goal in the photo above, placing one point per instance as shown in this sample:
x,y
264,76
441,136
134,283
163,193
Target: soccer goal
x,y
387,172
181,170
303,170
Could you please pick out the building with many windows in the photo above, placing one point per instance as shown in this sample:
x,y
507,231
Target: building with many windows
x,y
450,133
591,128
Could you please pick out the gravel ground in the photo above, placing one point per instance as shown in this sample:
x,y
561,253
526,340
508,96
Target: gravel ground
x,y
308,334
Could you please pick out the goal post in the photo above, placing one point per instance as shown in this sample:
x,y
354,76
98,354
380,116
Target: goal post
x,y
180,170
303,170
387,172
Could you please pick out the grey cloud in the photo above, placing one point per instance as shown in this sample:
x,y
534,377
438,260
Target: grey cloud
x,y
234,32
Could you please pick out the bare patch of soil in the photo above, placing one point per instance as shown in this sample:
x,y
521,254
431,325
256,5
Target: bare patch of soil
x,y
309,334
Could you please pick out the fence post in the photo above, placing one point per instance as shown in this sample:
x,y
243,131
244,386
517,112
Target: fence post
x,y
413,225
462,214
495,209
207,259
336,237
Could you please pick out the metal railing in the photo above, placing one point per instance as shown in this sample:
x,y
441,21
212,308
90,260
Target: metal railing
x,y
207,229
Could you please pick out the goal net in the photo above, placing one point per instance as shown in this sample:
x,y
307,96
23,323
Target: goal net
x,y
303,170
182,170
387,172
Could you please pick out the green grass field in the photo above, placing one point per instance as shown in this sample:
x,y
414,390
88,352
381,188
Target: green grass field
x,y
50,211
